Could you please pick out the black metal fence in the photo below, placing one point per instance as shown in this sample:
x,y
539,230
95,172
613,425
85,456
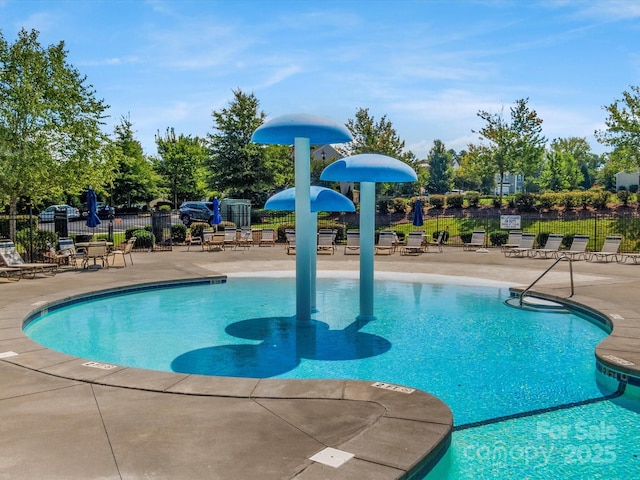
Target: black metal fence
x,y
33,235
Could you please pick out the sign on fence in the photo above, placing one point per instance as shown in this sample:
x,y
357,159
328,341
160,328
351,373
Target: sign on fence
x,y
510,222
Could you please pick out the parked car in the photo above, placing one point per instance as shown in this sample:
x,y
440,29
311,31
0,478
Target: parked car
x,y
102,209
196,212
48,213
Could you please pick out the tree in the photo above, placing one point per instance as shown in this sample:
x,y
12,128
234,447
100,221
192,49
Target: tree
x,y
623,128
50,125
515,146
579,149
237,165
181,166
380,137
440,169
476,171
560,172
135,180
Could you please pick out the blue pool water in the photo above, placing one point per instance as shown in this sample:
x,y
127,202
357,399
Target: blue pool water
x,y
462,344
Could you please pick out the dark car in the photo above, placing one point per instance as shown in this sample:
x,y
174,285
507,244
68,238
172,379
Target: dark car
x,y
196,212
103,210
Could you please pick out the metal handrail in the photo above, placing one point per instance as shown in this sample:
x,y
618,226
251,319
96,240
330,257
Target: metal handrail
x,y
559,259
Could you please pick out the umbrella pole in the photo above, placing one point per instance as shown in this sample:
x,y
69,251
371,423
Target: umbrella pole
x,y
303,235
367,244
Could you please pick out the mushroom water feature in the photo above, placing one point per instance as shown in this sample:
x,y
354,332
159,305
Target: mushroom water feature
x,y
322,200
302,130
368,168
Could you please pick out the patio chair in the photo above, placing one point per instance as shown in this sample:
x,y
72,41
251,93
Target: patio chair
x,y
267,237
386,243
524,248
550,249
246,237
513,240
290,245
414,245
65,255
608,252
191,240
230,237
12,259
325,242
577,250
352,247
434,243
477,241
96,251
126,250
214,241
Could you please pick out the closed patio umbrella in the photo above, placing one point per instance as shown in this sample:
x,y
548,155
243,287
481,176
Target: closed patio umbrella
x,y
418,219
92,205
217,218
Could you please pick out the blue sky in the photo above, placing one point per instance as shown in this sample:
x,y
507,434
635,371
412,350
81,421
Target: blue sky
x,y
429,66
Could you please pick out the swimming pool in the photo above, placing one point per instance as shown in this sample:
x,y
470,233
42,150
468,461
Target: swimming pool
x,y
460,343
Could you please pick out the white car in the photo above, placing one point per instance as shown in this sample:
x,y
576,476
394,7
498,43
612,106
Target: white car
x,y
48,213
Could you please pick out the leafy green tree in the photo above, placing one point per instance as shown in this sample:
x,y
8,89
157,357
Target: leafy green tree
x,y
440,169
380,137
476,171
135,180
515,145
50,125
181,166
560,172
623,128
237,165
579,149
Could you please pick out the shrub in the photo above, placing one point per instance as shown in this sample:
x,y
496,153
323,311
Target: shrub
x,y
466,237
548,200
542,238
225,224
473,199
567,239
445,235
399,205
22,222
436,201
455,200
599,198
524,202
130,232
623,196
39,240
197,228
144,239
571,199
281,231
497,203
498,238
384,206
178,232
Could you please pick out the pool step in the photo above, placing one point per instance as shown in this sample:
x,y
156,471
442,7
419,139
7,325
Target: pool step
x,y
536,304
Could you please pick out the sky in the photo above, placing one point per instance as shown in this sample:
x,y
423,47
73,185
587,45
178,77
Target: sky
x,y
428,66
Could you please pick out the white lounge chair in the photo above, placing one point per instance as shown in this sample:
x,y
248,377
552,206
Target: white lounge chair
x,y
325,242
267,237
551,247
386,243
352,247
230,237
609,250
477,241
434,243
578,248
513,240
414,245
524,248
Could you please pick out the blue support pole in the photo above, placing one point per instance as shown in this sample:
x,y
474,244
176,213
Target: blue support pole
x,y
313,228
367,245
303,220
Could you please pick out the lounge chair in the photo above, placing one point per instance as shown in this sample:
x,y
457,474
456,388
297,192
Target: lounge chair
x,y
230,237
477,241
124,251
65,255
191,240
246,237
352,247
12,259
414,245
325,242
386,243
513,240
608,252
437,243
267,237
634,257
524,248
213,240
291,242
550,249
577,250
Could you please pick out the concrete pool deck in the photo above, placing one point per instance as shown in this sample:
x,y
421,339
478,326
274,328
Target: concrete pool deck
x,y
60,419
